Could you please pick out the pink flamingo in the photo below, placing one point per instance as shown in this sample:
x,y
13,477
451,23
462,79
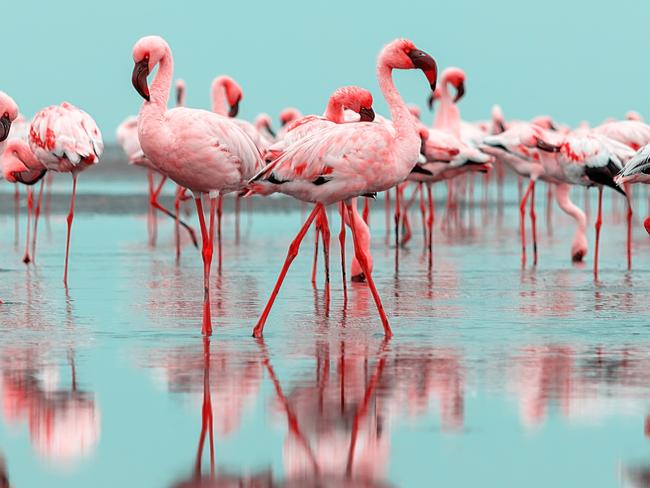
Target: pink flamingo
x,y
579,158
199,150
355,99
287,116
264,125
15,158
65,139
635,134
226,96
351,160
637,170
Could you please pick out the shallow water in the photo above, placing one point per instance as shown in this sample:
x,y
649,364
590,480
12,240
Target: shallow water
x,y
496,375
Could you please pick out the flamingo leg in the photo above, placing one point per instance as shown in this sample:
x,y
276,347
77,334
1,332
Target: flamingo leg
x,y
153,202
406,227
237,208
149,207
37,213
30,205
207,252
533,222
397,219
522,217
325,235
219,215
69,220
16,215
430,222
206,411
366,209
363,262
549,208
342,245
423,213
630,213
291,255
177,226
316,238
597,226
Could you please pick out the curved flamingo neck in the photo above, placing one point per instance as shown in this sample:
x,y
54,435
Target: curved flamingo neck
x,y
399,112
448,116
161,84
219,98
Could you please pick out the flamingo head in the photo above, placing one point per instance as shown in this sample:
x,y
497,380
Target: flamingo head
x,y
403,54
545,122
356,99
180,93
263,121
147,53
234,93
8,113
289,115
456,77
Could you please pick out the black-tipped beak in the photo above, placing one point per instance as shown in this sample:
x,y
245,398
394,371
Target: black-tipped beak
x,y
29,181
5,126
545,146
430,101
234,108
367,114
270,129
179,96
460,91
139,78
427,64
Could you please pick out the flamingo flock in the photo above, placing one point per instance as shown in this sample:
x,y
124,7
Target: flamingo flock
x,y
334,159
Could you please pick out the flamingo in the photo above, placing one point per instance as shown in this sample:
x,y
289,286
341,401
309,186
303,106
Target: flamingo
x,y
65,139
350,160
264,126
226,95
637,170
15,158
199,150
354,99
635,134
287,116
127,137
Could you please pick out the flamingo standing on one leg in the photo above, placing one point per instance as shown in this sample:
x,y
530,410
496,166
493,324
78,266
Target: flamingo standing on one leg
x,y
350,160
199,150
65,139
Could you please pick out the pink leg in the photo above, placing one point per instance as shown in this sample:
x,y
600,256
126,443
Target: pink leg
x,y
30,205
549,208
342,245
597,226
208,250
16,215
206,411
430,222
150,208
533,221
177,226
630,213
366,209
69,219
363,261
291,255
522,215
423,213
37,213
406,222
316,238
325,235
397,221
219,215
153,201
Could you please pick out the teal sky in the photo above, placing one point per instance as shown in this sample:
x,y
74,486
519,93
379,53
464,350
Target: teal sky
x,y
573,59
